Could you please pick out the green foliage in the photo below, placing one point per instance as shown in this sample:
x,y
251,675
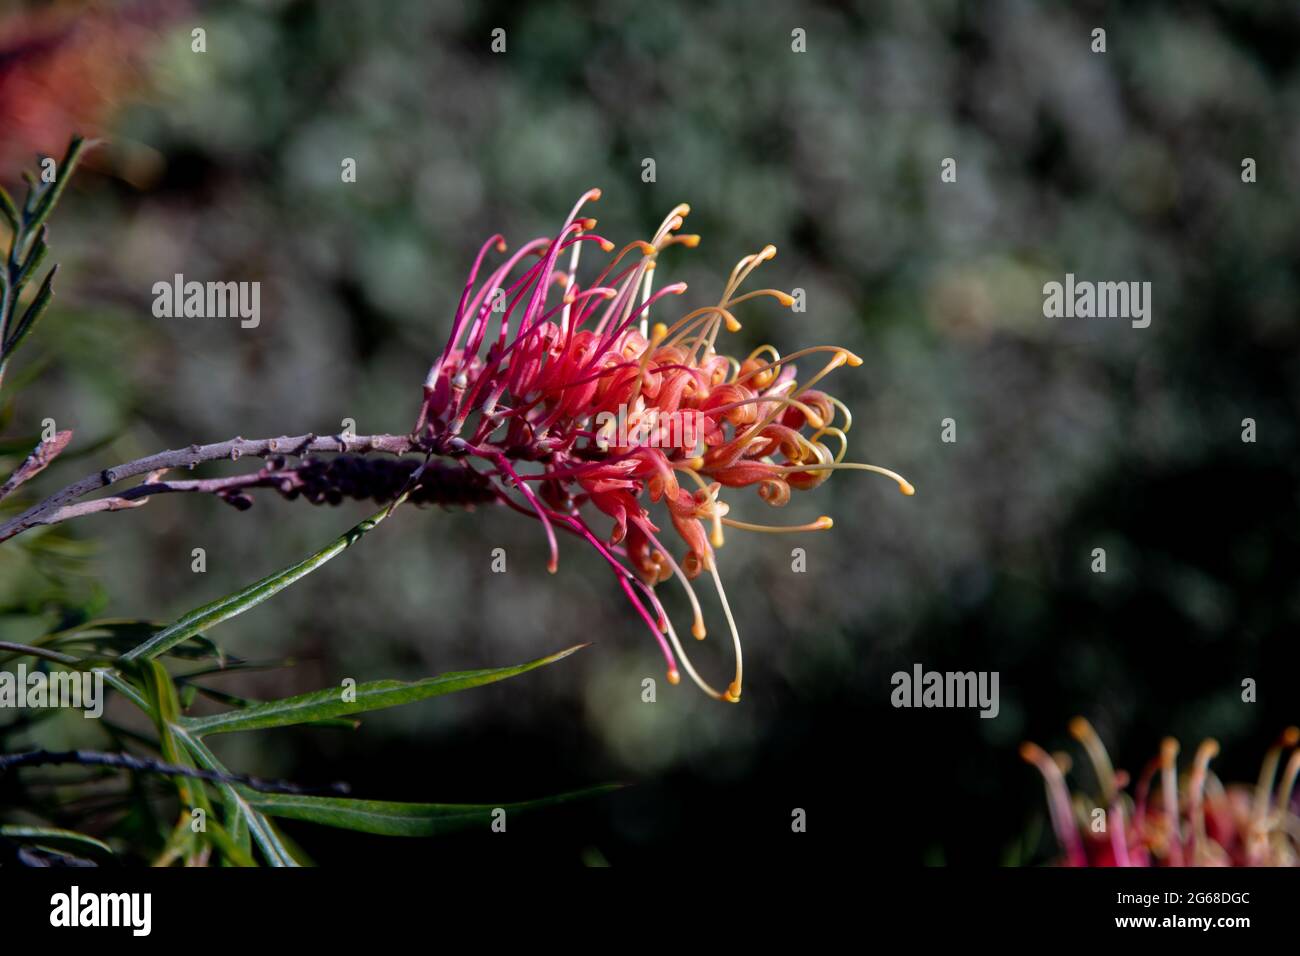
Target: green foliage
x,y
27,251
235,815
240,601
160,671
372,695
52,838
403,819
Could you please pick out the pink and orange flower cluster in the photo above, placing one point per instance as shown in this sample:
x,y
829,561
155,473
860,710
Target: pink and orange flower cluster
x,y
536,361
1190,819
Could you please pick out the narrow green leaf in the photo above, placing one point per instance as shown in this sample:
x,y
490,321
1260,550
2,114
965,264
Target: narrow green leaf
x,y
236,822
121,634
63,173
244,816
372,695
402,819
209,615
34,311
232,849
8,209
35,256
166,713
53,836
33,192
232,700
126,689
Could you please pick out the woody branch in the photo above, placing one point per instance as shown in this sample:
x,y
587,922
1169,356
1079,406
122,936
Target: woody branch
x,y
67,503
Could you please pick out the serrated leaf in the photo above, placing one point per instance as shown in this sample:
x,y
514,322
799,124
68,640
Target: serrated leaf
x,y
236,603
386,818
372,695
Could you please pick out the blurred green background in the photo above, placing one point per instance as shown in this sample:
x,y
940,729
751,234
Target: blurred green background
x,y
1071,434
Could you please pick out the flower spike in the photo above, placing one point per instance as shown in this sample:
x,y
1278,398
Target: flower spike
x,y
578,403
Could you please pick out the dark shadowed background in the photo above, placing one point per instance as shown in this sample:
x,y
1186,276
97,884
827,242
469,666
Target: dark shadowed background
x,y
1072,434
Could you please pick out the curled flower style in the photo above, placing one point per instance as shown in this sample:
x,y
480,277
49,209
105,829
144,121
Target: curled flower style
x,y
1192,819
576,401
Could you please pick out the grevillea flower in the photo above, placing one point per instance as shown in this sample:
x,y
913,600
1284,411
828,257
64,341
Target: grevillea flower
x,y
539,369
1190,820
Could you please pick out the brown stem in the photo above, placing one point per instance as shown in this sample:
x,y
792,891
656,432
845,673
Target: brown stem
x,y
66,503
36,462
125,761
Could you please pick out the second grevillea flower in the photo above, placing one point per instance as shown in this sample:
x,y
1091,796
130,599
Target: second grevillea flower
x,y
577,403
1172,820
